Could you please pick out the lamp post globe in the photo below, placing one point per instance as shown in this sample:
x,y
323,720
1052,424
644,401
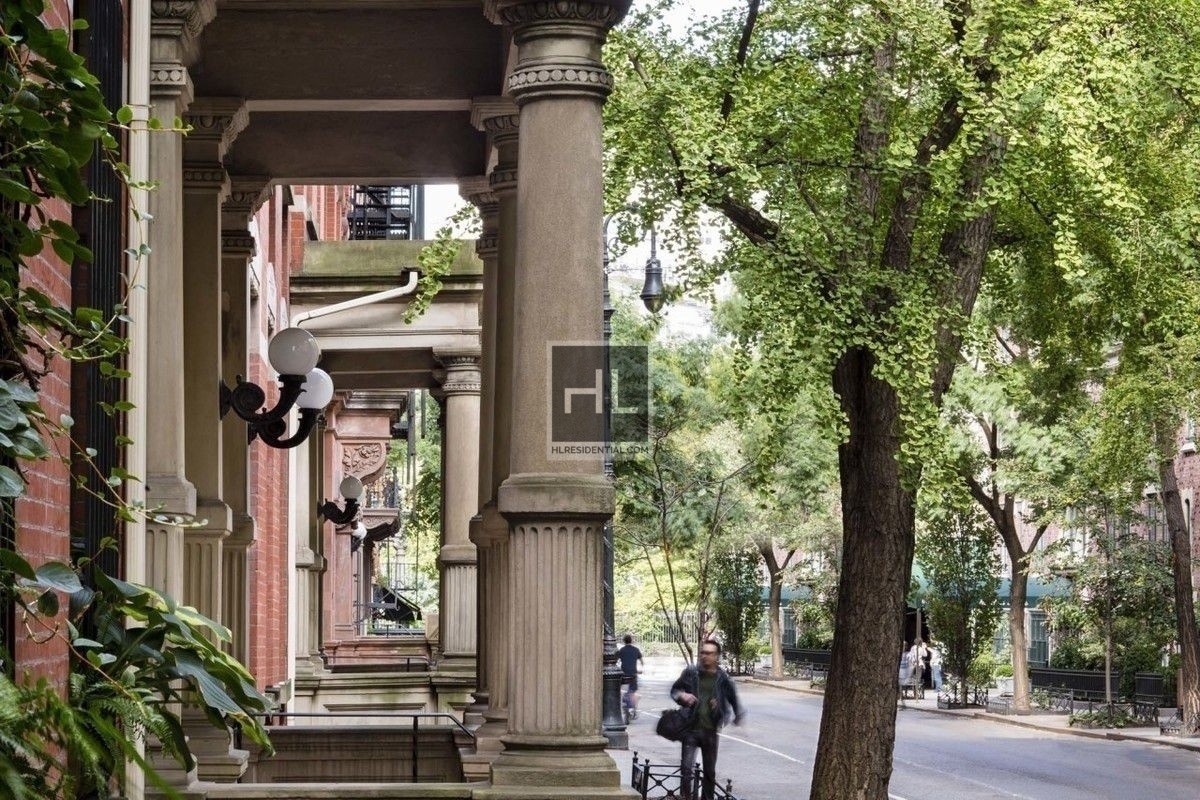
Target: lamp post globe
x,y
293,351
350,488
318,390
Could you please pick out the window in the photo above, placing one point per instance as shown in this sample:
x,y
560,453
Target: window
x,y
789,627
1156,519
1075,533
1039,639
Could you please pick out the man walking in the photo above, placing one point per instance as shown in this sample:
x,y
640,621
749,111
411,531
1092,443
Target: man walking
x,y
631,665
708,691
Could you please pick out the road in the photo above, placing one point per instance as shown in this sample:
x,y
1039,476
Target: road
x,y
939,757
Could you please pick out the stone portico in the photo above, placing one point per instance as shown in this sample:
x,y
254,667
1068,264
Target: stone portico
x,y
503,97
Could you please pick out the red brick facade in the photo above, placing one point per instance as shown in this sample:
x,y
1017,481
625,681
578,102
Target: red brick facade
x,y
43,514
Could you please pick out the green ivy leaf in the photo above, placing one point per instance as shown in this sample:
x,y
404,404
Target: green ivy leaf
x,y
11,484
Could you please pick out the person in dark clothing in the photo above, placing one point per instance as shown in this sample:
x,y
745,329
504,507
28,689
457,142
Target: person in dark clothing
x,y
710,693
631,658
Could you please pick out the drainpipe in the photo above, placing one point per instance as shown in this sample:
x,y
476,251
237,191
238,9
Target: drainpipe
x,y
410,285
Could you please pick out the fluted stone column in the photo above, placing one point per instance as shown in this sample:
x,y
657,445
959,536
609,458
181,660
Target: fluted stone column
x,y
214,122
498,117
456,559
478,192
237,248
174,31
556,506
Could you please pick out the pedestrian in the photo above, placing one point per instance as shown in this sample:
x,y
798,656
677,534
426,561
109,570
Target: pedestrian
x,y
631,664
935,667
710,693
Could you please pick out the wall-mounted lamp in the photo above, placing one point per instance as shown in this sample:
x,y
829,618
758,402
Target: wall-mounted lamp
x,y
350,488
293,353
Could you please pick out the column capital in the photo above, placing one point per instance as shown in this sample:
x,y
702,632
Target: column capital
x,y
498,117
175,27
238,244
478,192
559,46
215,122
461,373
207,177
246,194
524,12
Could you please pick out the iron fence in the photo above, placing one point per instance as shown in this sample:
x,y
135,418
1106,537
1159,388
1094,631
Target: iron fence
x,y
665,781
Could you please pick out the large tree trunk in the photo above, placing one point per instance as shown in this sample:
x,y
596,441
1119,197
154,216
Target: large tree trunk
x,y
1188,679
774,601
1018,594
858,723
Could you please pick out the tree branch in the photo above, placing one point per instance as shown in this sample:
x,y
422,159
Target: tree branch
x,y
740,59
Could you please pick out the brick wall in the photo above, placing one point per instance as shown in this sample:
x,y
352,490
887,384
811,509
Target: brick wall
x,y
43,514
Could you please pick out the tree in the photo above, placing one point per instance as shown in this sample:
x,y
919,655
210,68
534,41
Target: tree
x,y
1015,443
737,601
675,500
1122,586
957,554
869,159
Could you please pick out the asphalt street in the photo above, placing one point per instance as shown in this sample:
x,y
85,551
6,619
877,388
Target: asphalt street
x,y
939,757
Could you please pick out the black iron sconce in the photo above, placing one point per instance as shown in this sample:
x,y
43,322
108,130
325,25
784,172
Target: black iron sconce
x,y
293,353
350,488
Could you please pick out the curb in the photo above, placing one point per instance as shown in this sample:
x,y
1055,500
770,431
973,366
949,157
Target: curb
x,y
1020,723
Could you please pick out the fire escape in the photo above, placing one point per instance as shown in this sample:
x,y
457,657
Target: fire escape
x,y
386,212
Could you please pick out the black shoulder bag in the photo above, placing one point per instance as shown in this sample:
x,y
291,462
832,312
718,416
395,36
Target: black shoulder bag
x,y
674,723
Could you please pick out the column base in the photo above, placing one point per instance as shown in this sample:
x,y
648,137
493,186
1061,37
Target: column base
x,y
488,735
554,767
217,760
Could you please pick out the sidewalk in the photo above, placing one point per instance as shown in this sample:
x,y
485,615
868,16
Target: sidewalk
x,y
1051,723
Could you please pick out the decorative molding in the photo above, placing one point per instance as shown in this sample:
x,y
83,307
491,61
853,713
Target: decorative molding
x,y
238,244
487,246
364,460
541,80
526,12
181,22
170,80
504,179
497,116
206,178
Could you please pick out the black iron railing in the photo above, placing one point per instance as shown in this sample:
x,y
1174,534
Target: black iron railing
x,y
665,781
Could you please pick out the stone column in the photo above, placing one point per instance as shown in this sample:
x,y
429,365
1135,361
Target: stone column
x,y
171,497
556,506
497,116
460,493
237,248
478,192
215,122
173,32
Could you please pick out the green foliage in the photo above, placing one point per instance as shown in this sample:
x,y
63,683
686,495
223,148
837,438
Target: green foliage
x,y
437,258
142,653
737,601
1106,717
1120,605
957,553
423,528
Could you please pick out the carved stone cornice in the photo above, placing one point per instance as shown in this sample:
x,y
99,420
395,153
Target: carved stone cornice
x,y
460,374
205,178
216,122
238,244
246,194
487,246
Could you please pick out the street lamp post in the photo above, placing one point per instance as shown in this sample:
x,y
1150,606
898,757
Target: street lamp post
x,y
613,722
